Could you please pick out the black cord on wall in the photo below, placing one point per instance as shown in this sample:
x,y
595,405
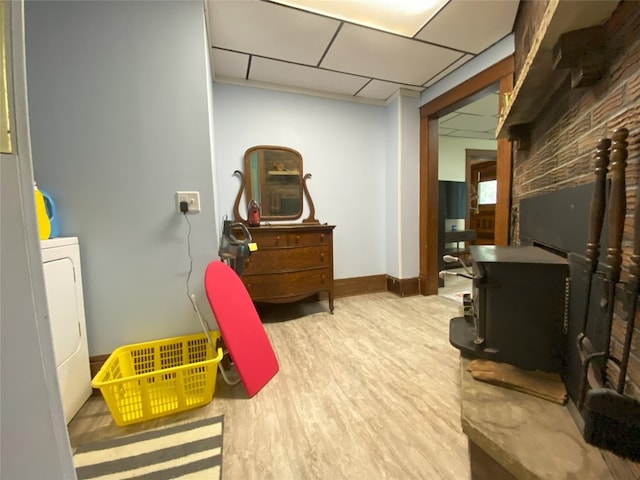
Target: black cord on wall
x,y
188,253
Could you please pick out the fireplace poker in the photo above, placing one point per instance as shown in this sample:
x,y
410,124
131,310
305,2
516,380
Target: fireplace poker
x,y
632,289
596,220
612,420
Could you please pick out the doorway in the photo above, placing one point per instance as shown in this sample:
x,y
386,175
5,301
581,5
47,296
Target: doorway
x,y
465,93
482,183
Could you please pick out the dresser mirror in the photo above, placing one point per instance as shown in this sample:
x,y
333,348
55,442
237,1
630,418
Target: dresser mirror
x,y
273,177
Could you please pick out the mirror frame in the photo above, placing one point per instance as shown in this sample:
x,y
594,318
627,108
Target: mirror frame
x,y
261,174
245,186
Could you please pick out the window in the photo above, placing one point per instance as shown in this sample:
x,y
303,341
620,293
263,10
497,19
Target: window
x,y
487,192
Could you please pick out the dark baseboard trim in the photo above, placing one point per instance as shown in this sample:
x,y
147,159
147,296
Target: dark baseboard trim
x,y
403,287
347,287
95,363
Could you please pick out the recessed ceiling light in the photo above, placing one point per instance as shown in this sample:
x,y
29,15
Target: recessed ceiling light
x,y
403,17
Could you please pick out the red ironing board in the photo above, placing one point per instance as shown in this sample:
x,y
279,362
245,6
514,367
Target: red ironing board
x,y
240,327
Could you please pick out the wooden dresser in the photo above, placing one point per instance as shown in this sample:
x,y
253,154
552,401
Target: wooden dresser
x,y
293,261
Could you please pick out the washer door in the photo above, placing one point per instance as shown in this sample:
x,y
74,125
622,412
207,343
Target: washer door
x,y
59,280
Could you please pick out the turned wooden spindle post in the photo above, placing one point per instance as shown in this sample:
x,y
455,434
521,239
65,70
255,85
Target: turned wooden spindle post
x,y
601,161
616,210
617,202
633,290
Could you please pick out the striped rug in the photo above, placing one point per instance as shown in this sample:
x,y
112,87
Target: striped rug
x,y
188,451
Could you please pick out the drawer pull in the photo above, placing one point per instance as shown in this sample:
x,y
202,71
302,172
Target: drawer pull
x,y
322,278
277,239
297,238
322,257
322,237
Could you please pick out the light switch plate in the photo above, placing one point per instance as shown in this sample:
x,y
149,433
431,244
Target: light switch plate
x,y
192,199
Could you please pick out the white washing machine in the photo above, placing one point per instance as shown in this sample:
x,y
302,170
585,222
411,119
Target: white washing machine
x,y
63,284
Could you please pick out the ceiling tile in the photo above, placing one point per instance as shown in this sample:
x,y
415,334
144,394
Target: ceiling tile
x,y
299,76
229,64
472,134
471,26
485,106
463,59
465,121
382,90
261,31
448,117
270,30
386,57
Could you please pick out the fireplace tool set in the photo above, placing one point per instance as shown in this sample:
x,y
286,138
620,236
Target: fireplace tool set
x,y
524,311
611,418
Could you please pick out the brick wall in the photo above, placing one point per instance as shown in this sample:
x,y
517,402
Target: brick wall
x,y
528,19
564,138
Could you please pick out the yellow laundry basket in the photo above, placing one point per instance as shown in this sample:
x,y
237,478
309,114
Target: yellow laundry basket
x,y
153,379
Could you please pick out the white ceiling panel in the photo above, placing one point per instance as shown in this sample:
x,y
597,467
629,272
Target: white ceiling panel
x,y
476,120
487,106
386,57
380,90
472,134
270,30
471,26
465,121
448,117
229,64
461,61
280,73
278,41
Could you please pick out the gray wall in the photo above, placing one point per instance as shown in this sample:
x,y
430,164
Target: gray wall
x,y
119,120
343,147
33,438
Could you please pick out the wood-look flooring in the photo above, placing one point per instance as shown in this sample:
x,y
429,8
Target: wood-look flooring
x,y
371,391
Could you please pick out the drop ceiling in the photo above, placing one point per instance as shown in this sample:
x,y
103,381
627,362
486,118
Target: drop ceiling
x,y
476,120
268,44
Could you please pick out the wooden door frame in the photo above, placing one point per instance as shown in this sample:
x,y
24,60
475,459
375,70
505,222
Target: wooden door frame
x,y
473,156
467,92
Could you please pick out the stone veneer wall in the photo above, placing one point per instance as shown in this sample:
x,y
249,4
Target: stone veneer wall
x,y
564,137
528,19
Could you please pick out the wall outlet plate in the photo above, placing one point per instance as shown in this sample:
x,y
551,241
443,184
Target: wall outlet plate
x,y
192,199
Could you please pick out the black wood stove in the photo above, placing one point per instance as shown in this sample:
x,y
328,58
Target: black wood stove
x,y
517,312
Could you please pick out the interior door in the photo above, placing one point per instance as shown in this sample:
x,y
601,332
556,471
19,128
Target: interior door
x,y
483,186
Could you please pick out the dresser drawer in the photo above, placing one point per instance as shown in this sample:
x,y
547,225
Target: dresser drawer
x,y
292,262
308,238
282,259
291,284
269,239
